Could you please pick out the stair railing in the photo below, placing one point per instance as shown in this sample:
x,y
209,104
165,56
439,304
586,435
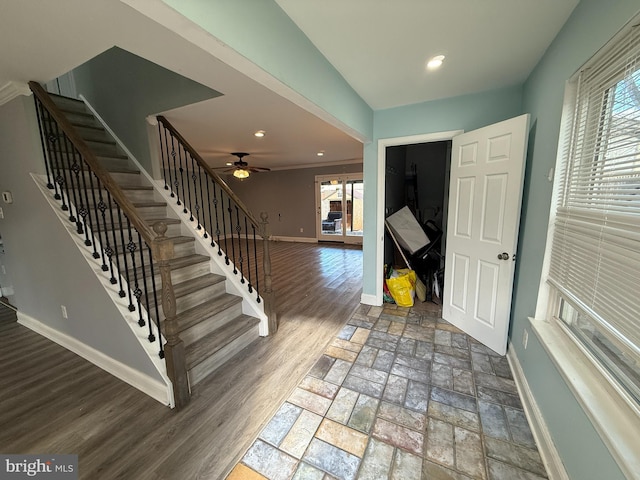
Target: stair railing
x,y
130,251
226,222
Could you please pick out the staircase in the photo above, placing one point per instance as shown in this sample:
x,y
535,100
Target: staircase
x,y
210,321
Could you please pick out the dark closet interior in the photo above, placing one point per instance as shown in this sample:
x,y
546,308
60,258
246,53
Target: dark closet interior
x,y
417,176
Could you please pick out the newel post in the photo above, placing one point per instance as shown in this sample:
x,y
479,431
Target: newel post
x,y
268,295
174,352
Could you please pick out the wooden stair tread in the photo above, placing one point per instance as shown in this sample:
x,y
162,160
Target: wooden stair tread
x,y
194,315
188,286
151,222
214,341
176,263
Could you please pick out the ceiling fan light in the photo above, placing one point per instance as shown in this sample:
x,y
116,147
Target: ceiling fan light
x,y
259,133
241,173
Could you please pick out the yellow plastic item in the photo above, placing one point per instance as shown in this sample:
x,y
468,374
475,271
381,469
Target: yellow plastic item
x,y
402,286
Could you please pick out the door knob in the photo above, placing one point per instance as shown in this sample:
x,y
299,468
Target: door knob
x,y
503,256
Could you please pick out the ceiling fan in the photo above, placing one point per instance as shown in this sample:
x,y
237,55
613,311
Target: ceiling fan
x,y
242,169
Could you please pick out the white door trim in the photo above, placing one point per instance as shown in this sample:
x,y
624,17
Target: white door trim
x,y
383,143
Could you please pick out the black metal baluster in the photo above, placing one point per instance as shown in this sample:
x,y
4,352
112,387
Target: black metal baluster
x,y
246,237
151,336
83,208
114,247
184,199
201,202
58,177
157,308
93,210
176,184
255,255
64,172
217,232
73,168
190,194
102,207
126,272
45,153
240,256
226,240
196,205
209,230
166,169
132,248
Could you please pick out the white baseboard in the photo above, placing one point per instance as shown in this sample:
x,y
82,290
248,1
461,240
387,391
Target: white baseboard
x,y
548,452
369,300
152,387
294,239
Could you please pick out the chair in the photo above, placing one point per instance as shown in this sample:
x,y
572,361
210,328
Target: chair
x,y
333,222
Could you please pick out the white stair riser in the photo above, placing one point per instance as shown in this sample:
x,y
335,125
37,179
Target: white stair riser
x,y
204,368
210,323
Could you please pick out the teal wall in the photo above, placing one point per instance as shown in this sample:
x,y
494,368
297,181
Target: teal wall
x,y
124,89
591,25
263,33
466,112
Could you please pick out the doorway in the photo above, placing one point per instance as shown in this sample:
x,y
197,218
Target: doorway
x,y
340,208
382,212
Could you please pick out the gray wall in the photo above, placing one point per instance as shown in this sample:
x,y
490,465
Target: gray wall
x,y
288,196
124,89
46,268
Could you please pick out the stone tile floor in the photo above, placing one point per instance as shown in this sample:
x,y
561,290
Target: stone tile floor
x,y
399,394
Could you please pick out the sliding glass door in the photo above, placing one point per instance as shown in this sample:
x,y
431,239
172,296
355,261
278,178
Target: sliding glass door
x,y
339,207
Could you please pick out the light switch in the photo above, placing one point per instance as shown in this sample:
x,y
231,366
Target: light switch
x,y
7,197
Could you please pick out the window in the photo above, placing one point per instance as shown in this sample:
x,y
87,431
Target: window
x,y
595,251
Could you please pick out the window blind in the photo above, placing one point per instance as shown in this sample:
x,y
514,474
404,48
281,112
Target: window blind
x,y
595,252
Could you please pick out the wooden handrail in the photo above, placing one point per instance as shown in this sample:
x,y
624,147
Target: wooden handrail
x,y
212,173
116,193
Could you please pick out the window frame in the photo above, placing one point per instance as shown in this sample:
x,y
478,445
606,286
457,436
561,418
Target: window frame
x,y
614,414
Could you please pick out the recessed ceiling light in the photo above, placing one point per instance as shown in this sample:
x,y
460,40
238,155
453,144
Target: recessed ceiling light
x,y
260,133
229,164
435,62
320,153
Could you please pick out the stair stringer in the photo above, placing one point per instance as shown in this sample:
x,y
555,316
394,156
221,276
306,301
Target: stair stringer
x,y
233,284
161,391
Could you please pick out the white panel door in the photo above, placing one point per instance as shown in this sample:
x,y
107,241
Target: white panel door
x,y
487,171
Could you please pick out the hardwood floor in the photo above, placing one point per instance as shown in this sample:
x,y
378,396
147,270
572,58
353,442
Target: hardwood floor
x,y
52,401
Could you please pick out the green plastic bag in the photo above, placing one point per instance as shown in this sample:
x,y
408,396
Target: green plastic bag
x,y
402,285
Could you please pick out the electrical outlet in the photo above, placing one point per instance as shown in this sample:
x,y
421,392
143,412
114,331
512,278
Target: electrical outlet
x,y
1,213
64,311
301,230
525,338
4,270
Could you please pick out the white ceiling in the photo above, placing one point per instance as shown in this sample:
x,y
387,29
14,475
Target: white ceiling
x,y
378,46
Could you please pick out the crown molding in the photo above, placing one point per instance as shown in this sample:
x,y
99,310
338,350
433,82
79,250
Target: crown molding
x,y
11,90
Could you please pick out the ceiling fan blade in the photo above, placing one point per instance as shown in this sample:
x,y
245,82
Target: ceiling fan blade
x,y
258,169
